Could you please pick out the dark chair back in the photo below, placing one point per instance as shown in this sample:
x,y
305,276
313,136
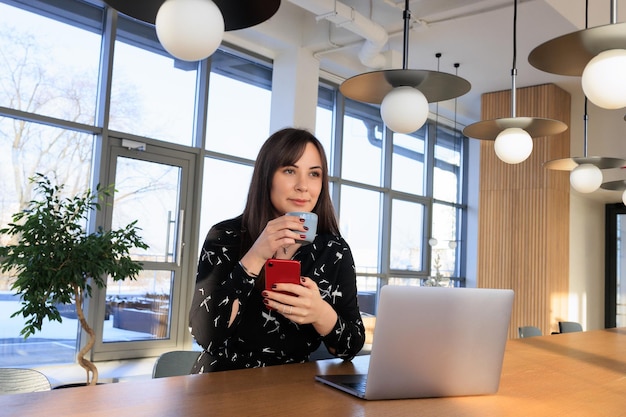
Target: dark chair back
x,y
529,331
569,327
174,363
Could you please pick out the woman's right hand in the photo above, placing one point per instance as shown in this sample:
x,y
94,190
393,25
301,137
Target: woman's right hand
x,y
277,235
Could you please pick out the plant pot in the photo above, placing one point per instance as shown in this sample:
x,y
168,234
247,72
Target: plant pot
x,y
75,385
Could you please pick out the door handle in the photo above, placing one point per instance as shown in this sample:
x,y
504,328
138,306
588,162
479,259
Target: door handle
x,y
179,238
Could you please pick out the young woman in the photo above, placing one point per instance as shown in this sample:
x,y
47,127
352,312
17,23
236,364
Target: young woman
x,y
239,323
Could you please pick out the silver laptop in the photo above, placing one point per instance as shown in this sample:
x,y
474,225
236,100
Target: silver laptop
x,y
433,342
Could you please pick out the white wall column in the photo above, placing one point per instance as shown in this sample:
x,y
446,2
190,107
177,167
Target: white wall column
x,y
294,90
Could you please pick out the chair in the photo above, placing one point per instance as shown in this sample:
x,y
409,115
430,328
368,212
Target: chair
x,y
19,380
528,331
174,363
570,327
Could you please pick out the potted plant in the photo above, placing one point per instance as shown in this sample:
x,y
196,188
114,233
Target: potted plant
x,y
55,262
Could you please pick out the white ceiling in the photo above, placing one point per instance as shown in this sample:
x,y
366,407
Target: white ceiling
x,y
477,34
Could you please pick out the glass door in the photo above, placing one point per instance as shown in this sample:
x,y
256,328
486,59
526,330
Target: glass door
x,y
615,264
148,314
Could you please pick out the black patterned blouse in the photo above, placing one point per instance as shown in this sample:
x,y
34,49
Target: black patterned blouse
x,y
260,337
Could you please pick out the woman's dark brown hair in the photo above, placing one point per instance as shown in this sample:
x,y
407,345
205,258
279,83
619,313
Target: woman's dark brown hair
x,y
283,148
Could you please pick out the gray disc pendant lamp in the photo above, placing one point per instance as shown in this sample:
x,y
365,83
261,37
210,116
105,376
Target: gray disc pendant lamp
x,y
586,174
619,185
597,54
404,94
192,30
513,135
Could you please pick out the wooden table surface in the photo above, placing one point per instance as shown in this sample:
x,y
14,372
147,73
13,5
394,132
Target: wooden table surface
x,y
573,374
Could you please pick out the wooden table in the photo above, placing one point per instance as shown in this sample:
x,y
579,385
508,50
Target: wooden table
x,y
573,374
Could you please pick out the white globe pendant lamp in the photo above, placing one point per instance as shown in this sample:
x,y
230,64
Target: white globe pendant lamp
x,y
191,30
513,145
404,109
513,135
586,178
597,54
404,94
199,36
604,79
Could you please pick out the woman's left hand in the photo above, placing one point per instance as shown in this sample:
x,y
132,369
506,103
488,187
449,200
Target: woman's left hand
x,y
305,306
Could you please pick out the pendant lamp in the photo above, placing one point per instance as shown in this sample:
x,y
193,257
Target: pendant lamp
x,y
513,135
586,174
597,54
619,185
192,30
404,94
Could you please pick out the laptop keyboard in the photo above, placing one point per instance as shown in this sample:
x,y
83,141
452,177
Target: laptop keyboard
x,y
358,386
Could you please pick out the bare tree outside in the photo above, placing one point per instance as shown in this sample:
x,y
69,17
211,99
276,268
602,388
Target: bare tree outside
x,y
29,83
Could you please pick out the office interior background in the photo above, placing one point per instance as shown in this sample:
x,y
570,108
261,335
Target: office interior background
x,y
89,97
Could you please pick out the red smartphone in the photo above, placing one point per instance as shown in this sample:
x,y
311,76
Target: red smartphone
x,y
281,271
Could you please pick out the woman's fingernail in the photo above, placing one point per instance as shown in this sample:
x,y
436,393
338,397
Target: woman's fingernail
x,y
306,228
301,220
266,301
264,294
302,279
273,286
302,236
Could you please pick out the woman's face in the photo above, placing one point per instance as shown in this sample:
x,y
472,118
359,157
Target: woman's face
x,y
297,187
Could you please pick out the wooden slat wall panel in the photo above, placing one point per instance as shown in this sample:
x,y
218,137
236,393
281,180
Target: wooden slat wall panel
x,y
524,213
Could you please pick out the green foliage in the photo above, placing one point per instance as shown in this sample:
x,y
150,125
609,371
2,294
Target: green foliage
x,y
54,261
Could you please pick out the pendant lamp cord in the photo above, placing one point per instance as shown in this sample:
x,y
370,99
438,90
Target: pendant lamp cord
x,y
406,15
613,11
438,56
514,69
585,122
456,72
585,115
515,37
